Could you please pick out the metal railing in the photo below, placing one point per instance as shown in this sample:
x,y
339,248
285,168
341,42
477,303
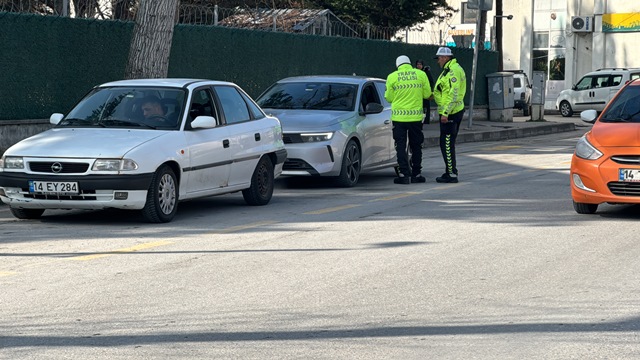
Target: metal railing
x,y
301,21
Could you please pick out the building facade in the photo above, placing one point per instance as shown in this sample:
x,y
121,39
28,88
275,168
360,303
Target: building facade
x,y
563,38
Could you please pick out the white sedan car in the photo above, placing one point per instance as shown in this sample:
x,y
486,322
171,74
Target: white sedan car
x,y
146,145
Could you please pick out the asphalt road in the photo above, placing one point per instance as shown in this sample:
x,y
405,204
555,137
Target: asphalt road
x,y
498,266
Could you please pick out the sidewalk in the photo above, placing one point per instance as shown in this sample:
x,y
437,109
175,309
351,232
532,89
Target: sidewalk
x,y
484,130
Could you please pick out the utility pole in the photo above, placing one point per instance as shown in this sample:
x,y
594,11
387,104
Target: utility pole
x,y
498,40
483,29
482,6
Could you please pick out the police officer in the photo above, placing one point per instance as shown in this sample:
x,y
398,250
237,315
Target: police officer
x,y
448,94
426,103
406,88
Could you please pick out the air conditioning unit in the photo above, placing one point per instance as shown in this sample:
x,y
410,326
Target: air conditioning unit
x,y
582,23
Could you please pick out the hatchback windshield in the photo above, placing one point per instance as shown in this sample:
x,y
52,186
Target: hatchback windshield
x,y
310,95
153,108
625,107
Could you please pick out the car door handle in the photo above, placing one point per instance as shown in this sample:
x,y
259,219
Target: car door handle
x,y
257,136
225,143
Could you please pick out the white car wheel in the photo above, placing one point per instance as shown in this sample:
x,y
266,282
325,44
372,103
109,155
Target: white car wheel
x,y
162,197
262,183
565,109
27,213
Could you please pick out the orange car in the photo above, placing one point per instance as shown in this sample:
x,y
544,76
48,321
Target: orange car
x,y
605,167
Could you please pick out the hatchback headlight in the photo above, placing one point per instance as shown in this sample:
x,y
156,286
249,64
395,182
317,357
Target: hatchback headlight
x,y
316,137
114,165
585,150
11,162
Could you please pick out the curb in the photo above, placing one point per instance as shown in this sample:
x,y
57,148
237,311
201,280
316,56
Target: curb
x,y
504,134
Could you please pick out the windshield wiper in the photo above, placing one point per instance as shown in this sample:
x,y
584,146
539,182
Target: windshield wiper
x,y
614,120
73,121
114,122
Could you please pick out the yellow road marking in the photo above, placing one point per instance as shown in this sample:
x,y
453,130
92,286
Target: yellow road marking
x,y
499,176
449,186
328,210
122,251
397,196
243,227
7,273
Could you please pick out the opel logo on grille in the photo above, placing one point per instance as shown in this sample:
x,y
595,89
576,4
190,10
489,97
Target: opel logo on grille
x,y
56,167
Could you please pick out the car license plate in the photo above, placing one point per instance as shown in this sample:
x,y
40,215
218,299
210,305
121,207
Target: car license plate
x,y
629,175
53,187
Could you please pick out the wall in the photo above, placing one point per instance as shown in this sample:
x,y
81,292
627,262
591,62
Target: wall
x,y
49,63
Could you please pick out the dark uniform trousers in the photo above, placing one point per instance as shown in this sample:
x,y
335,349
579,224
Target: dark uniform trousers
x,y
448,135
412,131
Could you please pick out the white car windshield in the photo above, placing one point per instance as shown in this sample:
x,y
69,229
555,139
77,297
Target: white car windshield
x,y
310,95
140,107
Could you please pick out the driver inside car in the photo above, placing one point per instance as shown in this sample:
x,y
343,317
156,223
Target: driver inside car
x,y
152,108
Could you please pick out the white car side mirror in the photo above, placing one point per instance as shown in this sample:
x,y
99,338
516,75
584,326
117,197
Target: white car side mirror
x,y
55,118
204,122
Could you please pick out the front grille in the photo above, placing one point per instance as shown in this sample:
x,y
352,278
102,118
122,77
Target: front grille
x,y
627,159
624,188
84,195
67,167
291,138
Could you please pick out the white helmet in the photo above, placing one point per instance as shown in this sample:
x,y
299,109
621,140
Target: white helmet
x,y
443,51
402,59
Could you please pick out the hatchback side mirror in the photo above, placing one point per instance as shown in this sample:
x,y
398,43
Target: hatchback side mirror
x,y
589,116
373,108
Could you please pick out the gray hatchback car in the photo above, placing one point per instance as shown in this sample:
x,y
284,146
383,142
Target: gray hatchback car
x,y
334,126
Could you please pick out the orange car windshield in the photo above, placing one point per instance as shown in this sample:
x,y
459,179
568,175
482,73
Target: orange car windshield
x,y
625,107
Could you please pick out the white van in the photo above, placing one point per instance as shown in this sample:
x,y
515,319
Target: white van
x,y
594,90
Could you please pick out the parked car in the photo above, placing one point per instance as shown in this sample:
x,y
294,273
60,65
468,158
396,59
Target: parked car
x,y
521,91
337,126
111,151
606,164
594,90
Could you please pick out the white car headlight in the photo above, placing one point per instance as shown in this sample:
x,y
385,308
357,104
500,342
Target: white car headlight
x,y
12,162
114,165
585,150
315,137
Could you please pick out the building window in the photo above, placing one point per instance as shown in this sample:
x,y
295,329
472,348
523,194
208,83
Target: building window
x,y
555,68
540,39
556,65
541,60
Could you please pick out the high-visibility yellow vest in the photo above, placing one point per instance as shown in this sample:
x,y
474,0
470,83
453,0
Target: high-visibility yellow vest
x,y
450,89
406,87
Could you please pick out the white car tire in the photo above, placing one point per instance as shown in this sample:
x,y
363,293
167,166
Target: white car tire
x,y
27,213
565,109
262,183
162,197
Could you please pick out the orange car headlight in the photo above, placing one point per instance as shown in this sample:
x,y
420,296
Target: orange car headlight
x,y
585,150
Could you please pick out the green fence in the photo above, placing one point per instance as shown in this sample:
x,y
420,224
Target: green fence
x,y
48,63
